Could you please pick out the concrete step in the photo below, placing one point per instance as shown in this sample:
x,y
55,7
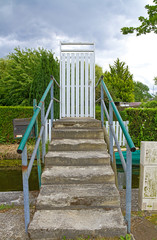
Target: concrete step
x,y
64,133
78,196
56,224
75,158
77,174
77,123
77,145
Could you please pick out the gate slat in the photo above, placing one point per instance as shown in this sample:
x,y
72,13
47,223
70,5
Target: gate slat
x,y
72,84
86,85
63,85
82,85
68,85
91,85
117,128
77,85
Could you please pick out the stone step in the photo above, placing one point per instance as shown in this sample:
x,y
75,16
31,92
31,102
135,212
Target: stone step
x,y
75,158
77,174
56,224
77,145
64,133
78,196
77,123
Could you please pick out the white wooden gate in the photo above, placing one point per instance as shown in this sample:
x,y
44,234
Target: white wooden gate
x,y
77,80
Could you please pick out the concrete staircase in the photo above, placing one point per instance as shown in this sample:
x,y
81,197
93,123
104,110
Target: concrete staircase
x,y
78,196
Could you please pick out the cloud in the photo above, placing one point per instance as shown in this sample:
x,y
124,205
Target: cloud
x,y
44,23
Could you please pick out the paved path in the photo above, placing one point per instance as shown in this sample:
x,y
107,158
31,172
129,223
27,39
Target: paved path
x,y
12,220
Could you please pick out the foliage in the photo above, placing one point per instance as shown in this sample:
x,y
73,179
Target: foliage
x,y
6,207
25,75
127,237
98,112
155,80
150,104
7,114
120,82
147,24
142,124
141,92
98,74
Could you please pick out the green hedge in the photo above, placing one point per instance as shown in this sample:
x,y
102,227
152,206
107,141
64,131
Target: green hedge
x,y
142,124
98,114
7,114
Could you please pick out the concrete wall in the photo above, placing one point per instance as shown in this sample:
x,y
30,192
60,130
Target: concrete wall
x,y
148,176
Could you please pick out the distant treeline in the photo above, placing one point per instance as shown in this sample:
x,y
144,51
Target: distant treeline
x,y
25,74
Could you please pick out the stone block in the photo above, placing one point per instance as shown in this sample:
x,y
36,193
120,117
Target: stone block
x,y
148,176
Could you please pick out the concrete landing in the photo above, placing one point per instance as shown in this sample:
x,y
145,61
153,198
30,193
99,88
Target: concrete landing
x,y
55,224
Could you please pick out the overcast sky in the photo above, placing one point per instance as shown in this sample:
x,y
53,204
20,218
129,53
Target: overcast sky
x,y
44,23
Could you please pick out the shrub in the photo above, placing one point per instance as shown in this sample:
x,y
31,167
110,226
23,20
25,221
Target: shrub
x,y
150,104
7,114
142,124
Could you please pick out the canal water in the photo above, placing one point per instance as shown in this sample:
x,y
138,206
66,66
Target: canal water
x,y
11,179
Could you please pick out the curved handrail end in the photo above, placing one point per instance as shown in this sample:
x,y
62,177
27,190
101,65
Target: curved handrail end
x,y
133,149
19,151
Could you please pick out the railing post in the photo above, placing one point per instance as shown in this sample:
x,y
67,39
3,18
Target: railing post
x,y
102,109
128,188
38,150
25,188
43,135
110,132
52,106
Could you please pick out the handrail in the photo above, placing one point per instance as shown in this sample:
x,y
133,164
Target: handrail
x,y
26,168
127,166
33,119
127,135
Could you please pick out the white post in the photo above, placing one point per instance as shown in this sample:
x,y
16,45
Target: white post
x,y
50,130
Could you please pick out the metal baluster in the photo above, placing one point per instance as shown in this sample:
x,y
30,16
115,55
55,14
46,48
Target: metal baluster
x,y
110,133
25,188
52,106
128,188
38,150
102,109
43,135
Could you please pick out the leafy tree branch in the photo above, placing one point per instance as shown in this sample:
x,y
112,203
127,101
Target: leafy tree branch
x,y
147,24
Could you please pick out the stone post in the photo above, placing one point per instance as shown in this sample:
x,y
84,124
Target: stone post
x,y
148,176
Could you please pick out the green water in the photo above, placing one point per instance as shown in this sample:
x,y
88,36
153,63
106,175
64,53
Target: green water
x,y
11,179
135,175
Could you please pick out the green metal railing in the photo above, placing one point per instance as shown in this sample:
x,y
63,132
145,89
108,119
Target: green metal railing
x,y
22,149
127,166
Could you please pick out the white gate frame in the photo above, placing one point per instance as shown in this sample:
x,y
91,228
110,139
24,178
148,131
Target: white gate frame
x,y
77,80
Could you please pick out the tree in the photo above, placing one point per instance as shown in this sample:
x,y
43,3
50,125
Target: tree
x,y
141,92
25,74
147,24
120,82
155,80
